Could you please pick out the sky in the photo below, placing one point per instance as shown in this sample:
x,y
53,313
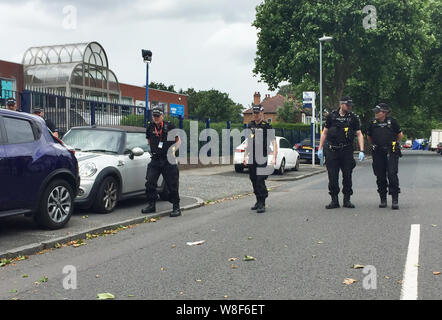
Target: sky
x,y
200,44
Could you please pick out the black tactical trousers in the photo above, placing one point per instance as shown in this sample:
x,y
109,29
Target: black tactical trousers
x,y
336,160
386,165
170,175
258,182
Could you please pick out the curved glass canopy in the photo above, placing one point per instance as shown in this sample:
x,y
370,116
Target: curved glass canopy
x,y
80,69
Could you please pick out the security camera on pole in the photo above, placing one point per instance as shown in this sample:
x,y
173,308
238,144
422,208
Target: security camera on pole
x,y
309,98
147,57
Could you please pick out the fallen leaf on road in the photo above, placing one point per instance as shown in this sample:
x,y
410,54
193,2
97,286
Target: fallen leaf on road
x,y
181,292
433,225
196,243
198,280
173,246
234,267
320,242
225,297
387,277
105,296
85,217
358,266
417,265
44,279
436,273
348,281
250,238
162,269
97,276
249,258
131,296
13,291
24,275
233,259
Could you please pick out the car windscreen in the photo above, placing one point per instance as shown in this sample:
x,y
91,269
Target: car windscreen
x,y
137,139
94,140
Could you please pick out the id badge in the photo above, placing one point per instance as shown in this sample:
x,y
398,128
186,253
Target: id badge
x,y
160,145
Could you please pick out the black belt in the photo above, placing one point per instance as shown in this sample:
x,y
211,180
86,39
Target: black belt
x,y
339,146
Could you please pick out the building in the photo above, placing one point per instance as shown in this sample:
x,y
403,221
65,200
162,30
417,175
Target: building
x,y
271,105
80,70
11,81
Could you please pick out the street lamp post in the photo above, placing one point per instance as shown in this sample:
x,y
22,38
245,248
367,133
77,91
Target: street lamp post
x,y
323,39
147,57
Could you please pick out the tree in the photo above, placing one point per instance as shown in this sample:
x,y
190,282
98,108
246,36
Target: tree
x,y
288,33
162,86
288,112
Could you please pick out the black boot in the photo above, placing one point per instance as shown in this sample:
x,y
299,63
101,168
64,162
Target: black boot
x,y
261,206
383,203
347,202
255,207
149,209
334,203
176,210
395,202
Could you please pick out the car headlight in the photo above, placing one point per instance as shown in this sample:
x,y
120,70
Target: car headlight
x,y
88,169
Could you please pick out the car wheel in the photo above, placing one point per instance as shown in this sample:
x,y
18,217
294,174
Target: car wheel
x,y
282,167
165,195
57,205
297,165
239,168
107,196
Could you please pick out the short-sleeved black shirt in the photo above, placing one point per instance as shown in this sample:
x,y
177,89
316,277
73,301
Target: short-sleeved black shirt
x,y
384,132
51,125
341,129
259,145
157,136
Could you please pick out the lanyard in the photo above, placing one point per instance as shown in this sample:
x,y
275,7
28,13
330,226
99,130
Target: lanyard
x,y
161,131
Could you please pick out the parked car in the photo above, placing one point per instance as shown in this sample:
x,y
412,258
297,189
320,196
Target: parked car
x,y
39,175
113,163
287,158
408,144
305,149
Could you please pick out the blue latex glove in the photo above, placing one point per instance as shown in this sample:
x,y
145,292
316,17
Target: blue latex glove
x,y
361,156
320,154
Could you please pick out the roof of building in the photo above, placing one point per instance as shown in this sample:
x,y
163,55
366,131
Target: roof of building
x,y
270,104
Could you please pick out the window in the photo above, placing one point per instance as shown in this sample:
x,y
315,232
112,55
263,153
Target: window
x,y
7,90
283,143
134,139
18,131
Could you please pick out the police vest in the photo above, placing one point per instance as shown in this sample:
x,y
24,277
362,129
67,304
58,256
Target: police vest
x,y
341,130
382,132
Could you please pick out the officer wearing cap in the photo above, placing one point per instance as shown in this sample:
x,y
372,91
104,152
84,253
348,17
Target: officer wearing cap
x,y
257,154
11,104
40,112
384,133
156,134
341,126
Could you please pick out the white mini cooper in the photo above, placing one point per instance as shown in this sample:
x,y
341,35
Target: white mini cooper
x,y
112,163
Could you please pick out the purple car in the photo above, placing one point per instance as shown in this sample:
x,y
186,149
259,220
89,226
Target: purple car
x,y
38,174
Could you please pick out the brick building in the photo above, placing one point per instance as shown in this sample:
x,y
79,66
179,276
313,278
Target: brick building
x,y
270,105
11,81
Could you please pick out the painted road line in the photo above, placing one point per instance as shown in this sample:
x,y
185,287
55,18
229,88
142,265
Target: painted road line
x,y
409,282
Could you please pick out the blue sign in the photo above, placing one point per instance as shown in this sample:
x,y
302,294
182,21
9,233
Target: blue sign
x,y
176,110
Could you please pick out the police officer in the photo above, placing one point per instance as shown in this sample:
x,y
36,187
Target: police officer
x,y
11,104
341,126
257,155
40,112
156,134
384,133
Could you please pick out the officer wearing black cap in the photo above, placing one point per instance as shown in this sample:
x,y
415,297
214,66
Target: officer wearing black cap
x,y
341,126
256,144
156,134
384,133
11,104
40,112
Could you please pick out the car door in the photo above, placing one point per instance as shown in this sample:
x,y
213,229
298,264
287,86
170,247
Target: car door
x,y
284,147
3,168
23,176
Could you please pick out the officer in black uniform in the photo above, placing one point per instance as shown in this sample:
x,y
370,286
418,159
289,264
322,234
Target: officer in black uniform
x,y
40,112
156,134
384,133
256,156
341,126
11,104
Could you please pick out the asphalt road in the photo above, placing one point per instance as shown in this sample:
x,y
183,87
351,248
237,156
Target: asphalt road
x,y
302,251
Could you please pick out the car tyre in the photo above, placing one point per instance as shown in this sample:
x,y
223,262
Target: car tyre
x,y
297,165
282,167
239,168
56,206
107,196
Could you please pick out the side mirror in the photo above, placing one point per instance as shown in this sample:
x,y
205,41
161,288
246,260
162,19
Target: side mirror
x,y
135,152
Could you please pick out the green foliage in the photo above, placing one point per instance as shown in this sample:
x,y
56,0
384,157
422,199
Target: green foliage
x,y
162,86
399,62
289,112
